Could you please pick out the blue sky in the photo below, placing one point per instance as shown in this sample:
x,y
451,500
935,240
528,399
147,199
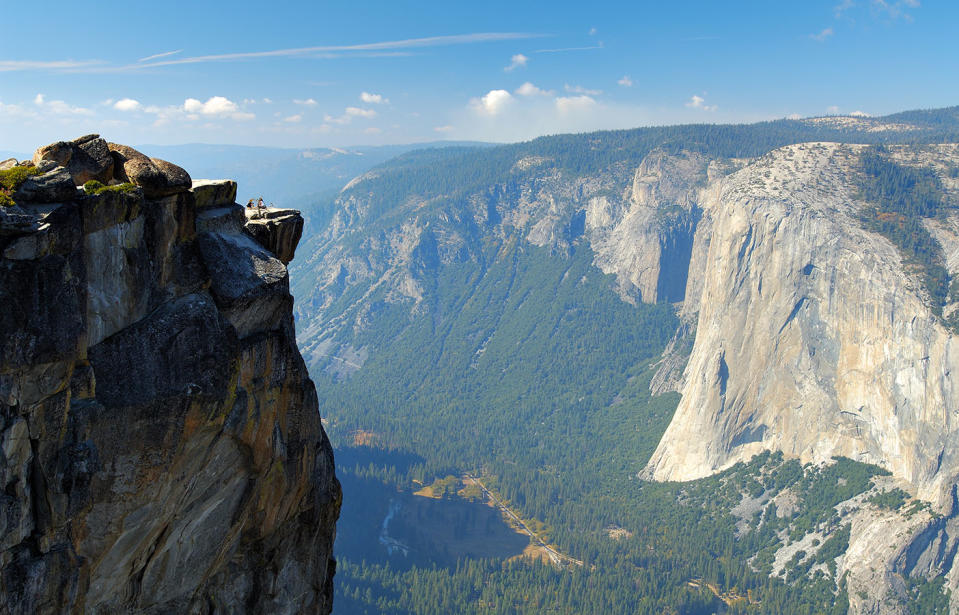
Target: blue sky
x,y
346,73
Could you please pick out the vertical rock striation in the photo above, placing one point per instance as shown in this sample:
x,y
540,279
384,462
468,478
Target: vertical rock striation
x,y
160,445
813,337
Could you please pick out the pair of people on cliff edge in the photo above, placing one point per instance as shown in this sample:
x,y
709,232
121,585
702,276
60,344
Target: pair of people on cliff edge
x,y
259,206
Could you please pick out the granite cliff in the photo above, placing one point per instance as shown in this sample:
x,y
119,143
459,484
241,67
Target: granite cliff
x,y
816,337
161,445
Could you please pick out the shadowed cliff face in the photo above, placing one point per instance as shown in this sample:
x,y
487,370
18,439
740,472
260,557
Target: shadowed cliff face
x,y
160,445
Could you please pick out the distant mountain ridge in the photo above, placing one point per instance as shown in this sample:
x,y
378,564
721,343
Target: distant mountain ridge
x,y
283,173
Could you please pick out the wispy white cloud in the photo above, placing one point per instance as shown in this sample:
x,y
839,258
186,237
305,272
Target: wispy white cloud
x,y
593,31
822,35
18,111
492,103
358,112
308,102
374,99
57,65
578,89
293,119
528,89
126,104
842,7
446,128
410,43
563,49
892,9
832,110
698,102
517,61
157,56
349,114
625,81
58,107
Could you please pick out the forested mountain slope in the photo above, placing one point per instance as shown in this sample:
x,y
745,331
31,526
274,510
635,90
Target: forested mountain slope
x,y
530,311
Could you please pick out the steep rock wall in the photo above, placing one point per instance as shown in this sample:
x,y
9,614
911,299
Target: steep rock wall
x,y
639,221
812,338
815,339
160,445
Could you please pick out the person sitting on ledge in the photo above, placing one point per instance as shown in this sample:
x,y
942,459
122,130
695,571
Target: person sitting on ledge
x,y
249,204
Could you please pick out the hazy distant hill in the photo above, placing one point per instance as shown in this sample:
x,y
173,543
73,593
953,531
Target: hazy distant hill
x,y
280,174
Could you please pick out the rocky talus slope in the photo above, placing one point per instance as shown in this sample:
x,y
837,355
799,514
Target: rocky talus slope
x,y
160,445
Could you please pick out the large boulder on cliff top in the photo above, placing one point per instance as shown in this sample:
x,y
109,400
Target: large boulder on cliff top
x,y
85,158
54,186
158,178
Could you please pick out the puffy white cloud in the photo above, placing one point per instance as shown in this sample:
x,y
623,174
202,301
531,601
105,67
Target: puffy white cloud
x,y
309,102
517,61
698,102
573,104
216,106
494,102
126,104
528,89
373,99
38,99
578,89
625,81
858,113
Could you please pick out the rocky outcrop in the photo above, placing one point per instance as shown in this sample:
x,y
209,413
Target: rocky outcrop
x,y
277,229
648,244
54,186
87,158
160,445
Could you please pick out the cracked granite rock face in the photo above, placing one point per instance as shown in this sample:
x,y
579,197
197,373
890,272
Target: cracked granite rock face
x,y
160,445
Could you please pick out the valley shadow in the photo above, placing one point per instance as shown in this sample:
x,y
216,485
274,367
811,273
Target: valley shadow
x,y
381,524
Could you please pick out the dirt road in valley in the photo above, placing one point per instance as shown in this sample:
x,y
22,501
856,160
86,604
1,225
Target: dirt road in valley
x,y
554,556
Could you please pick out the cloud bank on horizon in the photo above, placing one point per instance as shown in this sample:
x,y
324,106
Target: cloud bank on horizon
x,y
317,80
